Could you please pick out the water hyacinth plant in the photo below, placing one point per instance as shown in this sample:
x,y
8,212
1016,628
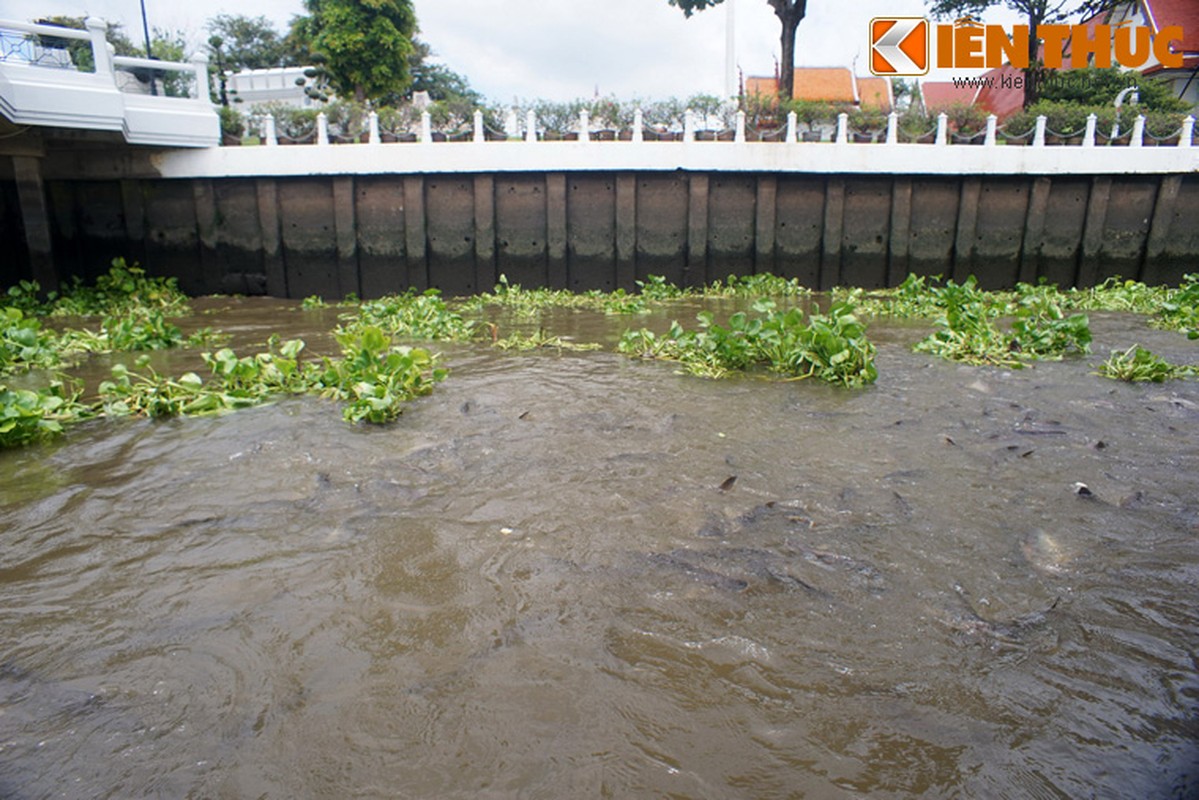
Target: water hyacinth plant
x,y
29,415
830,347
1138,365
375,377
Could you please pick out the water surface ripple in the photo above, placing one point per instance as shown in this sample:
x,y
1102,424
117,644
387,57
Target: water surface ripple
x,y
570,575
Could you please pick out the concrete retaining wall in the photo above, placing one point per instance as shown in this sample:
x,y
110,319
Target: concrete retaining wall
x,y
331,235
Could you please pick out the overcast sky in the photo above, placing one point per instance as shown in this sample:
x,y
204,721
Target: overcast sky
x,y
563,49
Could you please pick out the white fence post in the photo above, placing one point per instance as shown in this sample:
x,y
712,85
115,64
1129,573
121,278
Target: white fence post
x,y
688,126
1138,132
531,127
480,134
1088,139
842,128
322,128
426,127
511,125
584,125
792,127
1038,138
992,128
268,131
892,128
199,62
638,126
739,136
1188,132
372,127
942,128
99,33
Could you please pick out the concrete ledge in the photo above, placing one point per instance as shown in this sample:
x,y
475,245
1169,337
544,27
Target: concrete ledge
x,y
498,157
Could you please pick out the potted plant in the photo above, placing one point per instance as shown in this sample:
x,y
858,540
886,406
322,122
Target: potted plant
x,y
347,122
233,126
295,125
867,124
815,116
1065,123
968,122
915,126
1163,128
1019,128
398,123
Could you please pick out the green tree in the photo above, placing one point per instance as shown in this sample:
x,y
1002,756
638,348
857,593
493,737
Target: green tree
x,y
1036,12
238,42
441,82
249,42
790,14
363,46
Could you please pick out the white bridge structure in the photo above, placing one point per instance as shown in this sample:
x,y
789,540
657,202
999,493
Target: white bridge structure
x,y
44,81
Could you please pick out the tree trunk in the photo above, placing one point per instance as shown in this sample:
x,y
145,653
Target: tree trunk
x,y
1036,67
790,14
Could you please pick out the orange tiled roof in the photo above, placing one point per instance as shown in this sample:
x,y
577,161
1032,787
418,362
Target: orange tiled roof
x,y
830,84
940,95
875,93
767,87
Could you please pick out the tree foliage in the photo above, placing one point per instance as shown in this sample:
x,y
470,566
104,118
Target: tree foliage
x,y
441,82
363,46
247,42
790,14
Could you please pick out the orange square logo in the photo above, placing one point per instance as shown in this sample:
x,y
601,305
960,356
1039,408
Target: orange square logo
x,y
898,46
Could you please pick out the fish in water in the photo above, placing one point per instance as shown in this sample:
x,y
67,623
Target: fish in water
x,y
736,569
1012,633
1046,553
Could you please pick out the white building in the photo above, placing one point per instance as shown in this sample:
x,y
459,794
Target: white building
x,y
275,85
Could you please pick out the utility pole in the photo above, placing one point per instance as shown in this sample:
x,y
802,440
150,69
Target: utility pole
x,y
149,54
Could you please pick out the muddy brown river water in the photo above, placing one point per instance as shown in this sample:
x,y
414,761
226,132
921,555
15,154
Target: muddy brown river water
x,y
579,575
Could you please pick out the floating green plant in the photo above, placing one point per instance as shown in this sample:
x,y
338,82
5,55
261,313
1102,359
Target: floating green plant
x,y
761,284
424,316
540,340
375,377
831,347
122,289
134,330
25,344
1138,365
1180,310
31,415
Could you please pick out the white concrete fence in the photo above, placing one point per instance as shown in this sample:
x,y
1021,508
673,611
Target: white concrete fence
x,y
40,85
841,135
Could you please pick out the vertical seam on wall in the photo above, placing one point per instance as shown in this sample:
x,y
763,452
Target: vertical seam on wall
x,y
899,245
1158,237
766,216
1034,229
966,230
1087,271
833,230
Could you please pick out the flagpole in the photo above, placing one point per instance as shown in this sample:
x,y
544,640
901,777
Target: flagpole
x,y
730,49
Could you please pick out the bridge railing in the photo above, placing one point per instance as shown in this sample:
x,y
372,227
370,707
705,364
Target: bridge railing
x,y
67,78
